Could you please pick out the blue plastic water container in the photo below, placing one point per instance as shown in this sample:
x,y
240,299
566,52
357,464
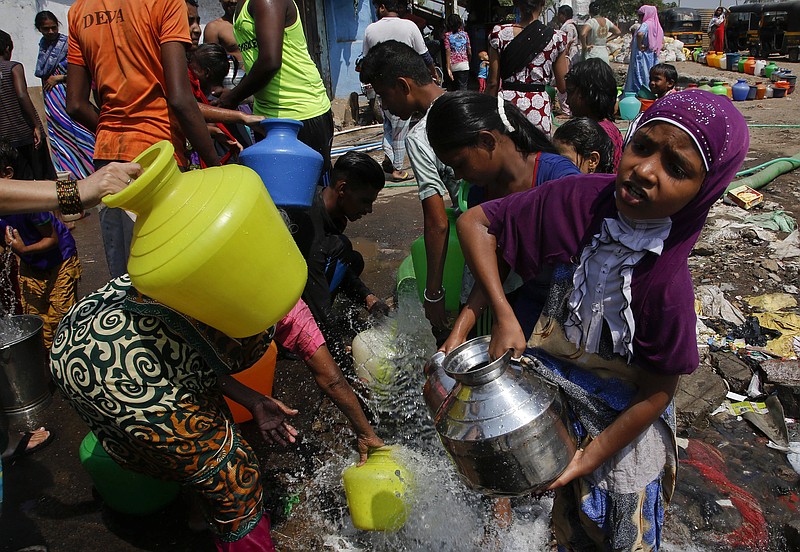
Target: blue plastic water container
x,y
289,168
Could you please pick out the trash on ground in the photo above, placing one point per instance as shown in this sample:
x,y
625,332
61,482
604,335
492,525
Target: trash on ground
x,y
745,197
778,221
771,302
785,322
714,305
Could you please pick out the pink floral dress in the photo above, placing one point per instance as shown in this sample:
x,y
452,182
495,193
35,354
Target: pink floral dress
x,y
535,105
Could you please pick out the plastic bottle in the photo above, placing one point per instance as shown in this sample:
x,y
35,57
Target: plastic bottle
x,y
453,266
719,89
374,351
211,244
740,90
379,492
289,168
629,106
258,377
759,68
769,69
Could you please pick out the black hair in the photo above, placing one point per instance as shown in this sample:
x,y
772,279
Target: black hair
x,y
454,23
586,136
594,8
595,80
193,3
214,59
528,7
390,60
9,156
5,42
566,11
43,16
456,118
390,5
667,70
359,170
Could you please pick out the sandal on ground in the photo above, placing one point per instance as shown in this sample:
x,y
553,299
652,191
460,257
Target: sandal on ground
x,y
22,446
404,175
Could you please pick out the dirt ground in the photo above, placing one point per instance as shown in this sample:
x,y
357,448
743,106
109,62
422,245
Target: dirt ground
x,y
49,502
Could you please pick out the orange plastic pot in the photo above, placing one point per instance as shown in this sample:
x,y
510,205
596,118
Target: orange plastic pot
x,y
260,377
750,66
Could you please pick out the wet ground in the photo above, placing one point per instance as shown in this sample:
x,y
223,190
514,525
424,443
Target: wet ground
x,y
733,492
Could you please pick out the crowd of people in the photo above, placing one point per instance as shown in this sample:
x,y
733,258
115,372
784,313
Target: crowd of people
x,y
576,238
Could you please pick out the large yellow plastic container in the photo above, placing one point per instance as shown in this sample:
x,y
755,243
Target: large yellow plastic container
x,y
379,492
211,244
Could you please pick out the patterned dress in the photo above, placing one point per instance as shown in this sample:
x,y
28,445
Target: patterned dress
x,y
72,145
144,378
535,105
621,505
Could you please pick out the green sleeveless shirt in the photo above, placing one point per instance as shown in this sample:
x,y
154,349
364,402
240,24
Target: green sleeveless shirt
x,y
296,90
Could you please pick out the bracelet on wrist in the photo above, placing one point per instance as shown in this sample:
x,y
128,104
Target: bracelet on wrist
x,y
429,299
69,200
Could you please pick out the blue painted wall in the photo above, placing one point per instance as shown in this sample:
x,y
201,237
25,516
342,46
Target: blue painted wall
x,y
345,35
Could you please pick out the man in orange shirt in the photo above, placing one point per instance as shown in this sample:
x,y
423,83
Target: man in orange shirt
x,y
135,54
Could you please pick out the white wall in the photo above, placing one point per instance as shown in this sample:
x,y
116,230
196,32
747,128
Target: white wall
x,y
16,18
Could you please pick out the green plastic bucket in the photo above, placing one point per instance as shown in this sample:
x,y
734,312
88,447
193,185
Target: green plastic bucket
x,y
453,266
123,490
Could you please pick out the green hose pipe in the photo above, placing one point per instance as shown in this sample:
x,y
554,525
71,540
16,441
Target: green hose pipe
x,y
757,168
768,174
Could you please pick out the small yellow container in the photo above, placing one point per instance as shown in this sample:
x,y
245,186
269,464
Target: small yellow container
x,y
211,244
379,492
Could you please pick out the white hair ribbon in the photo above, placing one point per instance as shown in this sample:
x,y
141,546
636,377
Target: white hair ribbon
x,y
501,110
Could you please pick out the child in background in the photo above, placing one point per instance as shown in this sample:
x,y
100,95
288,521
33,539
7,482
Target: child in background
x,y
662,79
483,71
585,143
49,269
592,92
618,329
457,52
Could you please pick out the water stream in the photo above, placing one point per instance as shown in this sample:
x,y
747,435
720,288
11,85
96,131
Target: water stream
x,y
10,331
445,515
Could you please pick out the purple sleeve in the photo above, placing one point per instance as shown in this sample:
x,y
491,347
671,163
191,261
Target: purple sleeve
x,y
549,224
665,340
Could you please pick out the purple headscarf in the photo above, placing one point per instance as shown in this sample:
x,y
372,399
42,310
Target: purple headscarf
x,y
532,232
655,34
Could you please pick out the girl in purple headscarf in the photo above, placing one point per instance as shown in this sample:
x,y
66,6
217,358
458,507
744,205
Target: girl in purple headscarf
x,y
618,328
646,42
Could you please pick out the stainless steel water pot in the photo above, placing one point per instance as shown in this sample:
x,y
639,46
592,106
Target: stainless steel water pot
x,y
437,383
504,427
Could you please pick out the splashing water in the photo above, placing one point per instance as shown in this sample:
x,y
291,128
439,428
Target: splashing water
x,y
445,515
10,329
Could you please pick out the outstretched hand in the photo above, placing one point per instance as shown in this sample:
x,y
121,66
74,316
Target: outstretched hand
x,y
367,443
271,417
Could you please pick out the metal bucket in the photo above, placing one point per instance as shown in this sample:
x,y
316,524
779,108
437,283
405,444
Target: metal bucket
x,y
25,382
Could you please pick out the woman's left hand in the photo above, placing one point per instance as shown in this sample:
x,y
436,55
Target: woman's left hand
x,y
271,417
50,83
575,469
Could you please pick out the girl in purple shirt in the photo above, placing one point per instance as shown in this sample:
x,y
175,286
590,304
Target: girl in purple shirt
x,y
618,328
